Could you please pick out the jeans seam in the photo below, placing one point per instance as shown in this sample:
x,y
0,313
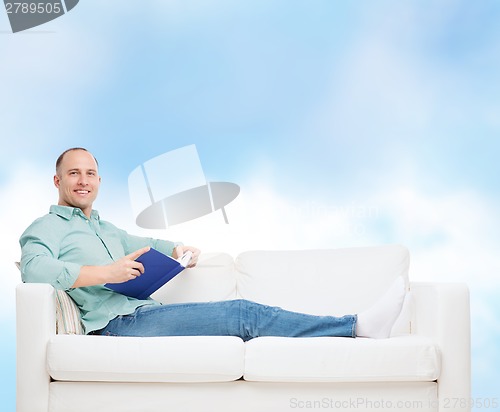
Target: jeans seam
x,y
241,322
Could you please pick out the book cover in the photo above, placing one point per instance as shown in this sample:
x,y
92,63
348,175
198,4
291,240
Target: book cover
x,y
158,270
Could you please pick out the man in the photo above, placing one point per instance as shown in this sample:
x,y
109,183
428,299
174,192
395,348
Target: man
x,y
72,249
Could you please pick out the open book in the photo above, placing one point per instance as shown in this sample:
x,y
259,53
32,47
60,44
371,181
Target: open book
x,y
158,270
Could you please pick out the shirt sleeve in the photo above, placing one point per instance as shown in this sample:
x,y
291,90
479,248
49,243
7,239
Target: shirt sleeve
x,y
39,258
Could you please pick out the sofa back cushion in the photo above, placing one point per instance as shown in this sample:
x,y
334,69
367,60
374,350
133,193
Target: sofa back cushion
x,y
211,280
323,282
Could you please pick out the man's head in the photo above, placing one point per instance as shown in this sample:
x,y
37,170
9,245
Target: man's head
x,y
77,179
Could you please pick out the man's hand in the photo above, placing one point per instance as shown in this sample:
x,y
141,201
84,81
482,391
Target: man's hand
x,y
123,270
180,250
126,268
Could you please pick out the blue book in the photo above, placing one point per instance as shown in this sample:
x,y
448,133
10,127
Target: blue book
x,y
158,270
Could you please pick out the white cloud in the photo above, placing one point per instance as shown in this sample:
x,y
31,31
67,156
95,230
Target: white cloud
x,y
453,236
24,198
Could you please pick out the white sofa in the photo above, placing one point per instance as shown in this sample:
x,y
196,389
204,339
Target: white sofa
x,y
423,366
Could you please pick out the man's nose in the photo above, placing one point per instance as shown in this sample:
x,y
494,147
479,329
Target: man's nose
x,y
83,180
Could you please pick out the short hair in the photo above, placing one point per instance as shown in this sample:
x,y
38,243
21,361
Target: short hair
x,y
61,157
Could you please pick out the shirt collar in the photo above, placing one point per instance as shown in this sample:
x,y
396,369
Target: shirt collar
x,y
67,212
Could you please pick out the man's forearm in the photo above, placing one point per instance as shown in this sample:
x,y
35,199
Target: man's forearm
x,y
90,276
123,270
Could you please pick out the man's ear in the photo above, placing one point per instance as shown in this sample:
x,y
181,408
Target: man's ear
x,y
56,181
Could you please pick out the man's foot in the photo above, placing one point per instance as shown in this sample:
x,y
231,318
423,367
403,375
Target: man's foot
x,y
377,321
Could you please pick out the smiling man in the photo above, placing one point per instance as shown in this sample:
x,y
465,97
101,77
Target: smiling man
x,y
72,249
77,179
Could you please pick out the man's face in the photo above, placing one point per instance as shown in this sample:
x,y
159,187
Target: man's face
x,y
78,180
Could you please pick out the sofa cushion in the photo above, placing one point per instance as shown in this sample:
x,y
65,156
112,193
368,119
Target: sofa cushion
x,y
211,280
158,359
405,358
322,282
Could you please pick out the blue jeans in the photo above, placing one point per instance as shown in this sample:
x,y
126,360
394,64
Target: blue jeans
x,y
227,318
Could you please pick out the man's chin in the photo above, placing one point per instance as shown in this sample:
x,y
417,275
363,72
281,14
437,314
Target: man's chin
x,y
82,205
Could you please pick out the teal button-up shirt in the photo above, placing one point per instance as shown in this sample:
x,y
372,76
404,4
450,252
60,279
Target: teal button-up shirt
x,y
56,246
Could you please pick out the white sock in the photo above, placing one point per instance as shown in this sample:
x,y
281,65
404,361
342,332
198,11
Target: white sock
x,y
377,321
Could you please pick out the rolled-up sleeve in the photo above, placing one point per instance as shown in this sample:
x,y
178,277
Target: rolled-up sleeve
x,y
39,260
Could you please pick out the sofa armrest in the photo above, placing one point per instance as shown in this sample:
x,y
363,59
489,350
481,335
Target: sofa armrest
x,y
35,324
442,312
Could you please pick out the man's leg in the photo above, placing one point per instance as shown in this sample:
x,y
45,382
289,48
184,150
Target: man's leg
x,y
228,318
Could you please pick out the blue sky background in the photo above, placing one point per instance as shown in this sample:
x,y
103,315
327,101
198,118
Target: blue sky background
x,y
344,123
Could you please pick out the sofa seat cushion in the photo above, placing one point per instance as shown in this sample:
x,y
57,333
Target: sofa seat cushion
x,y
404,358
156,359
